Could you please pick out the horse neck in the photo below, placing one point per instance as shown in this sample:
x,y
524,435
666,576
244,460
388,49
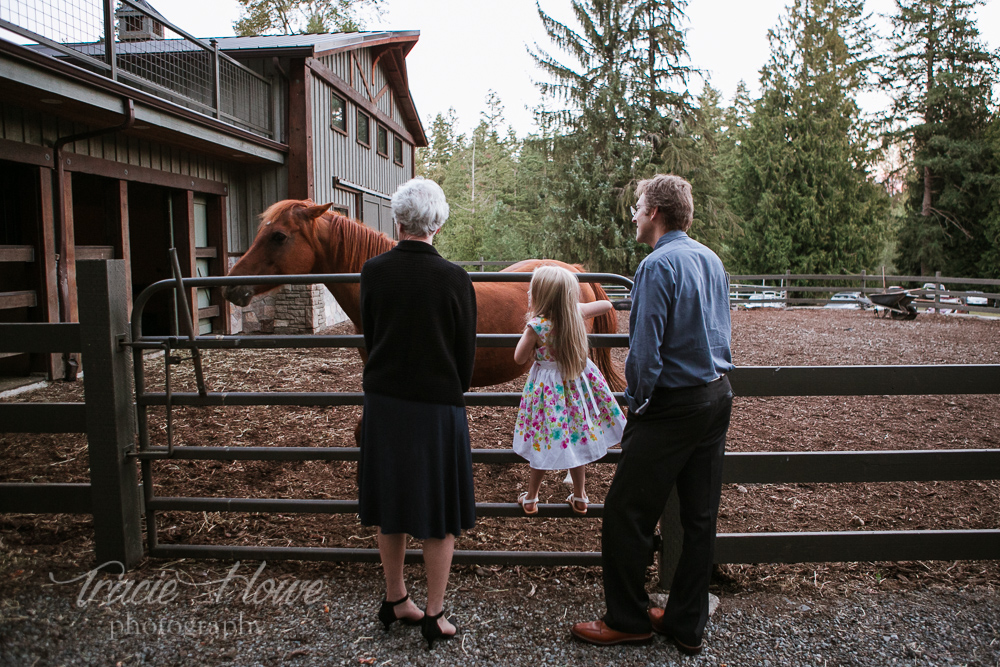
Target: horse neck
x,y
348,245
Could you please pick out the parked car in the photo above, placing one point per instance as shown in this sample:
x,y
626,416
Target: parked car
x,y
971,300
768,299
928,292
850,300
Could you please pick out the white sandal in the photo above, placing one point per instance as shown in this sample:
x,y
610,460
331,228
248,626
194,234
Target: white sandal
x,y
573,500
524,501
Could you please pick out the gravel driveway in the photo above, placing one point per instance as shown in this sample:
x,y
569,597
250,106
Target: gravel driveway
x,y
316,614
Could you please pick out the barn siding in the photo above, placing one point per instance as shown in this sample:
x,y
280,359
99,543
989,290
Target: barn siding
x,y
251,189
340,156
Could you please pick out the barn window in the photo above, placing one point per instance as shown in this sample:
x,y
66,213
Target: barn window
x,y
364,123
397,151
382,141
338,113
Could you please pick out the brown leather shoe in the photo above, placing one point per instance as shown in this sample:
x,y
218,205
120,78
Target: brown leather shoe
x,y
597,632
656,620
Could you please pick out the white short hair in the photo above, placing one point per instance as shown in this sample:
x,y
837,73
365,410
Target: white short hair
x,y
419,207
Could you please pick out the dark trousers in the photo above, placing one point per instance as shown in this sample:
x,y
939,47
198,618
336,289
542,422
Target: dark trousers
x,y
678,440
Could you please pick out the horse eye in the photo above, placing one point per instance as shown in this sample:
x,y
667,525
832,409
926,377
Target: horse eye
x,y
279,237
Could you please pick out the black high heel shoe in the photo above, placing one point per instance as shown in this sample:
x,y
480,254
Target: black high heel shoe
x,y
387,615
432,631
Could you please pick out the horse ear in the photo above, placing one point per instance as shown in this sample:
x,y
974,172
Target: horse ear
x,y
313,212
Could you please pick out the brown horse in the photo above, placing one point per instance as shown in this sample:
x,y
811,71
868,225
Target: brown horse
x,y
298,237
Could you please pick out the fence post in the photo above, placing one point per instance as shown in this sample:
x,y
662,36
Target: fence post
x,y
109,409
673,539
216,83
109,40
937,295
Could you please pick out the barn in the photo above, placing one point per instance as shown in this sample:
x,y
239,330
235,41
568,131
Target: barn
x,y
122,148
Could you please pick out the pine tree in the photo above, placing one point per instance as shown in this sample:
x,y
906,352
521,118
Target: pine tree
x,y
620,117
801,183
943,79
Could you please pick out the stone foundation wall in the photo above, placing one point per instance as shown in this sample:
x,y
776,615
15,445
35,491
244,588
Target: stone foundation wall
x,y
294,309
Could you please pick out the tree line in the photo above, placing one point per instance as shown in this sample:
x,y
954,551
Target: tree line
x,y
798,178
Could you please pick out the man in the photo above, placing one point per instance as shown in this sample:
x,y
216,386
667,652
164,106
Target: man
x,y
679,402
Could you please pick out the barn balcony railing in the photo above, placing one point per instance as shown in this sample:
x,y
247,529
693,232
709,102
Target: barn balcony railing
x,y
146,52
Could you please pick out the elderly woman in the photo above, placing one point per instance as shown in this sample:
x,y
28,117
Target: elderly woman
x,y
418,313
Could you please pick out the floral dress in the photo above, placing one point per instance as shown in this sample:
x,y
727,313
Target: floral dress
x,y
563,425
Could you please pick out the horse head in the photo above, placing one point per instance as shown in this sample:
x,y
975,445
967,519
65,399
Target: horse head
x,y
287,243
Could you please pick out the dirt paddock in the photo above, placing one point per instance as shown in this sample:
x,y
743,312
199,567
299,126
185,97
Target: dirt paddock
x,y
35,545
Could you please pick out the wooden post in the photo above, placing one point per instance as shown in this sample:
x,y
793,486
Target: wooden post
x,y
184,241
110,416
673,539
218,237
937,296
123,246
68,252
47,249
216,80
109,40
300,155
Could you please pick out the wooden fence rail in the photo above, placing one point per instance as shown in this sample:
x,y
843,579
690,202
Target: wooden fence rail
x,y
114,494
107,416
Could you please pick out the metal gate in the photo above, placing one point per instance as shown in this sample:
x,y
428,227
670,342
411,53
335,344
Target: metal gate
x,y
173,345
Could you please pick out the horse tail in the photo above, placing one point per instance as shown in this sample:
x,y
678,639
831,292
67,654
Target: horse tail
x,y
606,323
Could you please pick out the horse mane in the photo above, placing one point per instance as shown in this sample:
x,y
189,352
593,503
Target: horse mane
x,y
359,240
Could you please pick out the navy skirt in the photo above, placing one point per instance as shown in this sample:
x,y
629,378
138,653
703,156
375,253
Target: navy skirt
x,y
415,470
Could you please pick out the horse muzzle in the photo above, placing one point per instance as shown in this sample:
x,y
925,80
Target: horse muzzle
x,y
239,294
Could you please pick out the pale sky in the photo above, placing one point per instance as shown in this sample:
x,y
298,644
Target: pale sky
x,y
469,47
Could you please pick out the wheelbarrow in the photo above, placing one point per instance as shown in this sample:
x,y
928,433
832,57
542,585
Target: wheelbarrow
x,y
897,305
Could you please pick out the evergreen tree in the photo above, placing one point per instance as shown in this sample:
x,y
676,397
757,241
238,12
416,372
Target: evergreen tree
x,y
801,183
287,17
489,187
943,80
433,160
715,224
620,118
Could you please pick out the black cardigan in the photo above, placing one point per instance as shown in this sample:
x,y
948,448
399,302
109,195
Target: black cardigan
x,y
418,316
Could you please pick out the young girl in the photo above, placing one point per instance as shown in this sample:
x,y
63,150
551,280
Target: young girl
x,y
568,416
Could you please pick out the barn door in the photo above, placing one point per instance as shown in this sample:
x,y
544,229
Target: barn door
x,y
378,214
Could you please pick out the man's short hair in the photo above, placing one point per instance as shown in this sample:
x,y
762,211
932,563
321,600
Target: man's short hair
x,y
672,195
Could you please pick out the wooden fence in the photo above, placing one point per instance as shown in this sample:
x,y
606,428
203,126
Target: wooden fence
x,y
793,289
116,499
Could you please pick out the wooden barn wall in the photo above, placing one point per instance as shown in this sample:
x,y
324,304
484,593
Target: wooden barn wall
x,y
251,189
341,156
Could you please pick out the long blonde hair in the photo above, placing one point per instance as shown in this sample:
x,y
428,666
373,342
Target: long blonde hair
x,y
555,295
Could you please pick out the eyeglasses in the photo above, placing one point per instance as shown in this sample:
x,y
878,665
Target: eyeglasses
x,y
634,210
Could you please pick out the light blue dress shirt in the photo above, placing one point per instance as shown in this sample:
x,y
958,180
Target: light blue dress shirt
x,y
679,327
